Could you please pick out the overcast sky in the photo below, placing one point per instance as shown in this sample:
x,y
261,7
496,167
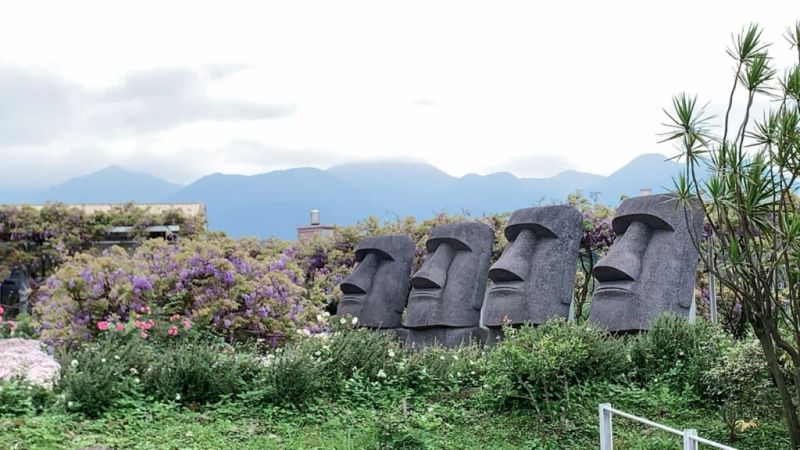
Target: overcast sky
x,y
184,89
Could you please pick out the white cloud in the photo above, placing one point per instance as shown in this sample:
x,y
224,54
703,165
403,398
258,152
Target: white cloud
x,y
466,85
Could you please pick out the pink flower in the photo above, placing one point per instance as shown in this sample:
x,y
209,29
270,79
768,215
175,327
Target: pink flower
x,y
187,324
2,310
120,327
174,317
173,331
12,325
138,324
144,335
102,325
149,324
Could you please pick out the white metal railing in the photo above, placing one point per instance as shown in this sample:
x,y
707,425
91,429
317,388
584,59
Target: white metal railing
x,y
690,437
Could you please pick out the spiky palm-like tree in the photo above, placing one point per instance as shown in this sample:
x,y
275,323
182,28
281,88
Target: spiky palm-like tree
x,y
746,181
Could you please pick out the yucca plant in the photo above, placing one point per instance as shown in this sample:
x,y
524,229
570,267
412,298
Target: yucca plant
x,y
746,181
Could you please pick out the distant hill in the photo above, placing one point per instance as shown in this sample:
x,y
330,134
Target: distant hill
x,y
276,203
111,185
650,170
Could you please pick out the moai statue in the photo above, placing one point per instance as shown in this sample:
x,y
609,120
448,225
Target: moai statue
x,y
533,280
447,291
650,269
376,290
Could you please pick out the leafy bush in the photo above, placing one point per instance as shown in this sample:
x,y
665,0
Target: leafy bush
x,y
740,382
437,368
540,364
289,376
19,398
359,350
217,284
99,376
676,352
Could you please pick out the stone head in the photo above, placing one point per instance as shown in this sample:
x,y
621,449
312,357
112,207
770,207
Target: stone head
x,y
376,290
650,268
447,291
533,279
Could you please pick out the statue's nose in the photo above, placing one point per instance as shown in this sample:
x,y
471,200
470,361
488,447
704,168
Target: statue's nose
x,y
624,259
360,281
433,273
515,262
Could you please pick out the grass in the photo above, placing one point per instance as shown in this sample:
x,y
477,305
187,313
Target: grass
x,y
446,423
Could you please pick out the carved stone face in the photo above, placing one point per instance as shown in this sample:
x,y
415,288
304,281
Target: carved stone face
x,y
376,290
447,291
650,269
533,279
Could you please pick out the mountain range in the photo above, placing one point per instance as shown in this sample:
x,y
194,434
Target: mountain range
x,y
276,203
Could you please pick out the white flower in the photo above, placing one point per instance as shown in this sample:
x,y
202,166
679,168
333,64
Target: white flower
x,y
317,353
391,353
472,373
74,363
342,321
442,357
458,374
134,371
136,380
116,357
455,357
355,321
178,397
381,374
103,360
319,317
70,404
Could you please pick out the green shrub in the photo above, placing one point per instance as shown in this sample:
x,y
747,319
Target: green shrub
x,y
360,350
289,376
20,398
676,352
98,376
199,372
740,382
538,365
437,368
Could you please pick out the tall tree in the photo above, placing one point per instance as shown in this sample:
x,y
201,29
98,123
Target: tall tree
x,y
746,180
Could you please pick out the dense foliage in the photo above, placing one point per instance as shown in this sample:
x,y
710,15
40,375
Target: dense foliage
x,y
230,287
388,397
41,238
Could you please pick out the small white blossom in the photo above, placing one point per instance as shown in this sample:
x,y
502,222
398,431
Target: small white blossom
x,y
342,321
178,397
391,353
103,360
355,321
381,374
116,357
74,363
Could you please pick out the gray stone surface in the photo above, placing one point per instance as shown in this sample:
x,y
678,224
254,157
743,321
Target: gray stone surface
x,y
532,281
448,289
650,269
376,290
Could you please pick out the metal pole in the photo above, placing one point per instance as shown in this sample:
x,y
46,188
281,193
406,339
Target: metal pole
x,y
606,441
688,442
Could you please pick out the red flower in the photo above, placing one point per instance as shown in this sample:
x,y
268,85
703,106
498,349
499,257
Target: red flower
x,y
173,331
102,325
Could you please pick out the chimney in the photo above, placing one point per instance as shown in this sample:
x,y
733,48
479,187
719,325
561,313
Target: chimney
x,y
314,217
645,191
